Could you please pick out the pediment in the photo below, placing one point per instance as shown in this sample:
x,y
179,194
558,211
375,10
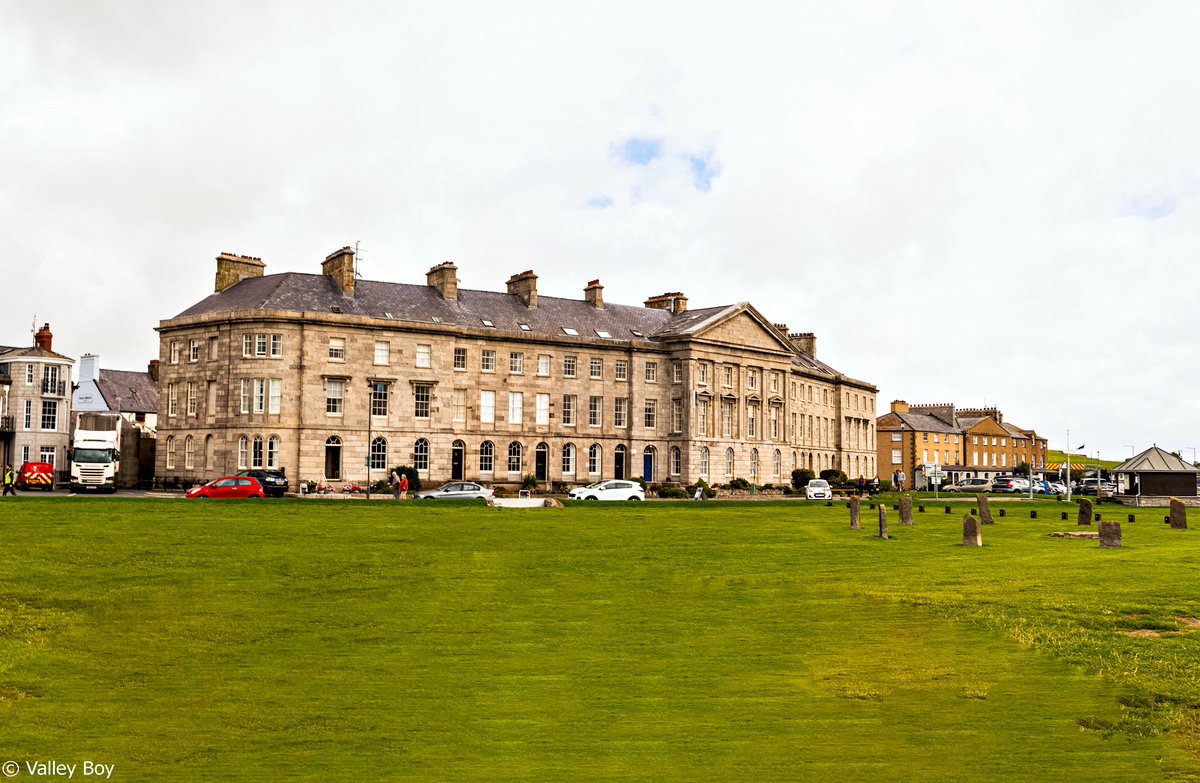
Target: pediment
x,y
746,328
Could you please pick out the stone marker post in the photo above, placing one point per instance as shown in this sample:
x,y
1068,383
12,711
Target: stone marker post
x,y
971,534
1178,514
985,513
853,504
882,521
1110,535
1085,511
905,510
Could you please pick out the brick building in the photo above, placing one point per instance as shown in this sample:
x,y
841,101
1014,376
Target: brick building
x,y
323,375
965,443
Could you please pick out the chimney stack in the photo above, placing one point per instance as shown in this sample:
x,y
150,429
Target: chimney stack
x,y
594,294
233,269
339,265
524,286
89,367
444,277
804,342
673,302
899,406
152,369
43,338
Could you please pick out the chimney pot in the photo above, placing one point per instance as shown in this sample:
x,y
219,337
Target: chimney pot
x,y
43,339
673,302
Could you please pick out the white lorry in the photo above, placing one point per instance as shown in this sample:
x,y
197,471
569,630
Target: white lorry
x,y
96,457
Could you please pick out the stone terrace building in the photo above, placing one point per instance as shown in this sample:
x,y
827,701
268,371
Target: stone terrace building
x,y
35,403
318,374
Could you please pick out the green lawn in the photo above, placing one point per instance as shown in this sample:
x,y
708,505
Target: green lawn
x,y
341,640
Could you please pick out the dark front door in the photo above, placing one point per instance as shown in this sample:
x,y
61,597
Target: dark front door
x,y
619,463
456,461
333,459
540,459
648,466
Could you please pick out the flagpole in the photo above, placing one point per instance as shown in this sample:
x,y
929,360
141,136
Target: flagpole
x,y
1067,462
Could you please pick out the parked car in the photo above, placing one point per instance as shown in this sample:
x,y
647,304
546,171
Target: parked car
x,y
228,487
273,482
1010,484
457,490
1095,486
975,485
613,489
36,475
818,489
1049,488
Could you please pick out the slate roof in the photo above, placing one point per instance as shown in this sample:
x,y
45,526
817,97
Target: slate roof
x,y
922,422
298,292
128,392
301,292
7,354
1155,460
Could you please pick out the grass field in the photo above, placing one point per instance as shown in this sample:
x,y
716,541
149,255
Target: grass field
x,y
325,640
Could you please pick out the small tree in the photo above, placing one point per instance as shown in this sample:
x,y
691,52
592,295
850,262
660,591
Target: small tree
x,y
1021,469
529,481
801,477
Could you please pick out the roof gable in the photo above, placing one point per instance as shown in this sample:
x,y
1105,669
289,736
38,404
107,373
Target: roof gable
x,y
1155,460
742,325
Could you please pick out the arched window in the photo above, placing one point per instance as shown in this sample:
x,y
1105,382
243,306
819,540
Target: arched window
x,y
777,464
256,452
421,455
379,454
676,461
568,461
704,463
189,452
171,452
514,457
273,451
594,456
243,452
754,464
487,454
728,463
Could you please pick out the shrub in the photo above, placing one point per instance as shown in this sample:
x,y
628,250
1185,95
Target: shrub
x,y
739,483
679,493
709,492
414,478
801,477
835,476
529,481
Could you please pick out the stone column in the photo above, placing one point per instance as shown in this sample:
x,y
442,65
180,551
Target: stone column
x,y
985,512
1178,514
905,510
882,521
1110,535
1085,511
854,513
971,534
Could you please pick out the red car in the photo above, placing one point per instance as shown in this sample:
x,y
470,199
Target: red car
x,y
228,487
36,475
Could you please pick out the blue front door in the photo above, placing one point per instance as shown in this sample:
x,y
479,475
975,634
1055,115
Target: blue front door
x,y
648,466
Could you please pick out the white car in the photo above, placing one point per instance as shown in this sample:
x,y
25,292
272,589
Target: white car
x,y
818,489
613,489
457,490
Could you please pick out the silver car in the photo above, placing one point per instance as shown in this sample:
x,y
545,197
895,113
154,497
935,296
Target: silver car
x,y
457,490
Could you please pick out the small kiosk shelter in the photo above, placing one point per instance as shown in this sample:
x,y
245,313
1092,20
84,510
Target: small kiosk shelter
x,y
1154,475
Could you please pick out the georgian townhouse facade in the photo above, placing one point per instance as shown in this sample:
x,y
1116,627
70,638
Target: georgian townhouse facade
x,y
35,403
337,379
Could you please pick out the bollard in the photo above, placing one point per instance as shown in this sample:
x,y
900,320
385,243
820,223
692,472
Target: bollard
x,y
1097,516
1002,512
1131,518
948,510
829,503
1033,514
1064,516
920,509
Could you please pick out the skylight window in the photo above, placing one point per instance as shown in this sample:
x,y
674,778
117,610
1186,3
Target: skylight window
x,y
388,316
604,334
526,328
488,323
636,333
436,319
570,331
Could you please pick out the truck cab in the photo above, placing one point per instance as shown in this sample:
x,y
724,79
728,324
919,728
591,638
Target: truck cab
x,y
95,461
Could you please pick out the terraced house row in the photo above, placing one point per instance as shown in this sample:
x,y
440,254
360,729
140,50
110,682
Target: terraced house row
x,y
336,379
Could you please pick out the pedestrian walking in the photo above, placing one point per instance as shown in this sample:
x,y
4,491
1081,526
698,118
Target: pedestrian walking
x,y
900,477
875,486
10,481
862,486
394,480
403,488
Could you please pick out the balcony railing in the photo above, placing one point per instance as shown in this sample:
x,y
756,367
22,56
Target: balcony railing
x,y
54,388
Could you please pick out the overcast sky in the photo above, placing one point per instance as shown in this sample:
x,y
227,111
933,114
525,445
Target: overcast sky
x,y
977,203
